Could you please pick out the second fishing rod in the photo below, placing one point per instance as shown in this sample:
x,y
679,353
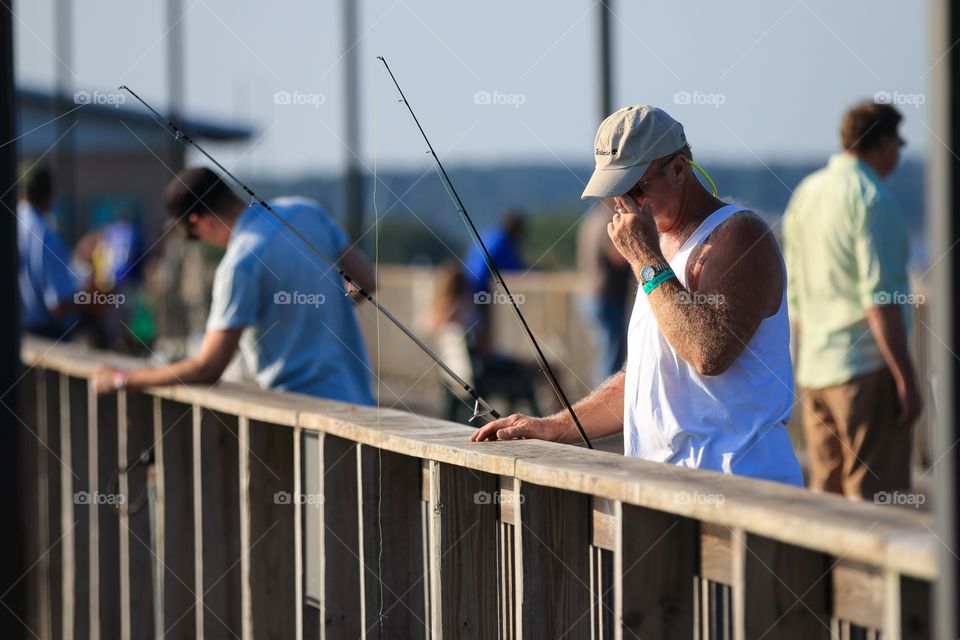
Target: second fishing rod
x,y
491,265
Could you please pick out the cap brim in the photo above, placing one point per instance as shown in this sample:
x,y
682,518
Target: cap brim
x,y
607,183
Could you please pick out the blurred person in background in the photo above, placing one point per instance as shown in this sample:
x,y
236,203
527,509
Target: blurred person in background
x,y
609,283
846,246
455,322
503,242
282,306
48,285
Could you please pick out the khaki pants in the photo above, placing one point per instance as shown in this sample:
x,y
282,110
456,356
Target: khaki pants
x,y
854,443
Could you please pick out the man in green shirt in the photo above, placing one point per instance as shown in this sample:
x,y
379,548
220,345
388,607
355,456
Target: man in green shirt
x,y
846,248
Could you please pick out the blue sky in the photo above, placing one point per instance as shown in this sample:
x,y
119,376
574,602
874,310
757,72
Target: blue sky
x,y
749,79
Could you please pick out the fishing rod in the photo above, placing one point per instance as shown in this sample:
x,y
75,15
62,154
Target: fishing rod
x,y
491,266
481,407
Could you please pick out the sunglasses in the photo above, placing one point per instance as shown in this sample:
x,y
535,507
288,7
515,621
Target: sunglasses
x,y
639,189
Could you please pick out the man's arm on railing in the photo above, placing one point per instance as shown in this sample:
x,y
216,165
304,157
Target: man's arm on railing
x,y
600,413
205,368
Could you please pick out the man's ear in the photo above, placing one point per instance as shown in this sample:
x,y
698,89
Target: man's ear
x,y
680,168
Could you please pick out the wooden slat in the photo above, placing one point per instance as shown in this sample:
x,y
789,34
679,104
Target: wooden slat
x,y
786,590
272,529
52,466
508,499
339,540
108,518
858,593
604,524
176,457
68,512
140,439
463,552
219,470
393,567
556,568
716,562
77,396
656,561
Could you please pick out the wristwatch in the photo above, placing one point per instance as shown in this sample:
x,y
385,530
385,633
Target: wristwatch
x,y
650,272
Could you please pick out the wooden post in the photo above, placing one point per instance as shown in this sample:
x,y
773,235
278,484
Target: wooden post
x,y
785,590
338,540
176,486
391,531
139,437
272,552
218,458
556,563
656,559
463,552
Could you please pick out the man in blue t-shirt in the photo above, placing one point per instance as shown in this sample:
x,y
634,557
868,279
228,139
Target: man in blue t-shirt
x,y
48,284
281,305
503,243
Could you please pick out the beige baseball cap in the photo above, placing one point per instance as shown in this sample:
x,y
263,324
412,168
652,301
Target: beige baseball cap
x,y
627,142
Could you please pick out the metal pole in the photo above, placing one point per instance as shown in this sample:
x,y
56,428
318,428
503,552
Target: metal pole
x,y
352,184
943,232
65,183
13,563
605,58
175,79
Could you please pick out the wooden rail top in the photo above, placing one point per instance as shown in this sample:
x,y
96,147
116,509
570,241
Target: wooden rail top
x,y
895,538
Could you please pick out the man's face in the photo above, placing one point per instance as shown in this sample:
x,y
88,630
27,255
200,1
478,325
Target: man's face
x,y
889,154
660,191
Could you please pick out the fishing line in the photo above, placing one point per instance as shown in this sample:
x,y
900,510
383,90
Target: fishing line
x,y
376,278
491,266
481,407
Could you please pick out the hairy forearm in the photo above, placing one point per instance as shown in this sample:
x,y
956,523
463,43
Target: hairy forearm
x,y
889,330
600,413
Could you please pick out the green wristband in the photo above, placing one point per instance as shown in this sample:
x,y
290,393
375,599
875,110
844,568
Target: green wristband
x,y
658,280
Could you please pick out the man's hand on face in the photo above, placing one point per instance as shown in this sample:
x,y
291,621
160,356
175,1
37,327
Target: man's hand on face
x,y
634,232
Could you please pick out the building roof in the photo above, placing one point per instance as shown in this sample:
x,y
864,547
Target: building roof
x,y
106,122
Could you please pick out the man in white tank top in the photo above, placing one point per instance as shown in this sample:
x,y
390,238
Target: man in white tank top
x,y
708,381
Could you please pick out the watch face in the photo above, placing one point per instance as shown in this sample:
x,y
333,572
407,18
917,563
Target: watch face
x,y
647,273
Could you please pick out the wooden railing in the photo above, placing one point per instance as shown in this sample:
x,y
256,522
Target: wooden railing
x,y
253,514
